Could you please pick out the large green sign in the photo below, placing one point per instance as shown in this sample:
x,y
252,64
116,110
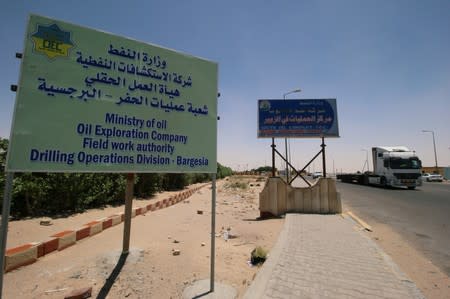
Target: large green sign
x,y
89,101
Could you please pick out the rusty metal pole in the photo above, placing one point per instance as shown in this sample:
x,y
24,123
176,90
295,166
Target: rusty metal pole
x,y
273,157
324,166
128,207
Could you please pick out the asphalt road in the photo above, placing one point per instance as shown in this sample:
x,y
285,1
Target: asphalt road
x,y
421,216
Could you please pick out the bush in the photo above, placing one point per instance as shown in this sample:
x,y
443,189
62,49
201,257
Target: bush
x,y
223,171
147,184
3,151
258,256
36,194
237,185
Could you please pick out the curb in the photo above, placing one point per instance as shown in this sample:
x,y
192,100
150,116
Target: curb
x,y
29,253
360,221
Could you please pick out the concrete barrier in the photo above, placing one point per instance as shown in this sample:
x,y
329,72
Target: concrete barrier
x,y
278,198
50,245
20,256
95,227
65,238
107,223
83,233
116,219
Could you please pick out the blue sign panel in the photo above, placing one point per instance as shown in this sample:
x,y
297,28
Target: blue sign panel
x,y
297,118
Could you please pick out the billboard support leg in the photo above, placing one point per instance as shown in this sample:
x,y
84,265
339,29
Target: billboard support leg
x,y
128,207
273,157
324,167
4,228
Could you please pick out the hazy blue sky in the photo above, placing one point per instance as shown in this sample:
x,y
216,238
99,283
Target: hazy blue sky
x,y
387,62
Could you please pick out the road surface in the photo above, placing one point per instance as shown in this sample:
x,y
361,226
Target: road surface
x,y
421,216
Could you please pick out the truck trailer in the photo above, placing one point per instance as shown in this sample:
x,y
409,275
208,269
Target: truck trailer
x,y
394,166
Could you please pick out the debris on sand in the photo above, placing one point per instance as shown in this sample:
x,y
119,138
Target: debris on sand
x,y
46,222
80,293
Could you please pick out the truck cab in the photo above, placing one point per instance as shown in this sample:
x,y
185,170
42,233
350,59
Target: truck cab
x,y
395,166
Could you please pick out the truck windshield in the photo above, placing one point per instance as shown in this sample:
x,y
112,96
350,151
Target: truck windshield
x,y
399,163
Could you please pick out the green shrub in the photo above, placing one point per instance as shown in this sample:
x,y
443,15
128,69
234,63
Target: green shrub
x,y
258,256
238,185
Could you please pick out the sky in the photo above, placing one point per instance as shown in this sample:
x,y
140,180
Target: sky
x,y
386,62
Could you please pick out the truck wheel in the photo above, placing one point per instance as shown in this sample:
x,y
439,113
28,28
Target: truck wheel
x,y
383,181
412,187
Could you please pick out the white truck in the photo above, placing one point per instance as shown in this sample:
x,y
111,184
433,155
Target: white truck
x,y
394,166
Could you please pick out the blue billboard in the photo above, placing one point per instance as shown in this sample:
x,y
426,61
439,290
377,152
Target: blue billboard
x,y
307,118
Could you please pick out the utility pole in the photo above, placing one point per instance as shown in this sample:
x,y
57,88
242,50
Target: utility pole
x,y
285,139
434,146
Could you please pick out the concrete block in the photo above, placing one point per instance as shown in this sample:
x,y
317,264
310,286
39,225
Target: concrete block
x,y
50,245
332,196
263,199
20,256
82,233
273,195
307,202
66,238
138,211
315,199
40,249
107,223
290,203
338,204
95,227
282,198
324,207
298,199
115,219
121,215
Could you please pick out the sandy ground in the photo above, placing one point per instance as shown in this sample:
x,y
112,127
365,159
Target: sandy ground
x,y
150,270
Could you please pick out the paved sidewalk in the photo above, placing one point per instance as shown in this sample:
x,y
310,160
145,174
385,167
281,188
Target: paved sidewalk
x,y
328,256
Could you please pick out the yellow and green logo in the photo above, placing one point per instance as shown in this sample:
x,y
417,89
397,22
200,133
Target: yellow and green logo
x,y
52,41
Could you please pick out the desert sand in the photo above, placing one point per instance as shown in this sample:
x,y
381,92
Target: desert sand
x,y
150,270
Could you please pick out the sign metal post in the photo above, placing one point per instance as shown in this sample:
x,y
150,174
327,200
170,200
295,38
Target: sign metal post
x,y
4,229
127,215
213,231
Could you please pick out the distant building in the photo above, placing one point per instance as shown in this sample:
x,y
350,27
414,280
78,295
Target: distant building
x,y
447,173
